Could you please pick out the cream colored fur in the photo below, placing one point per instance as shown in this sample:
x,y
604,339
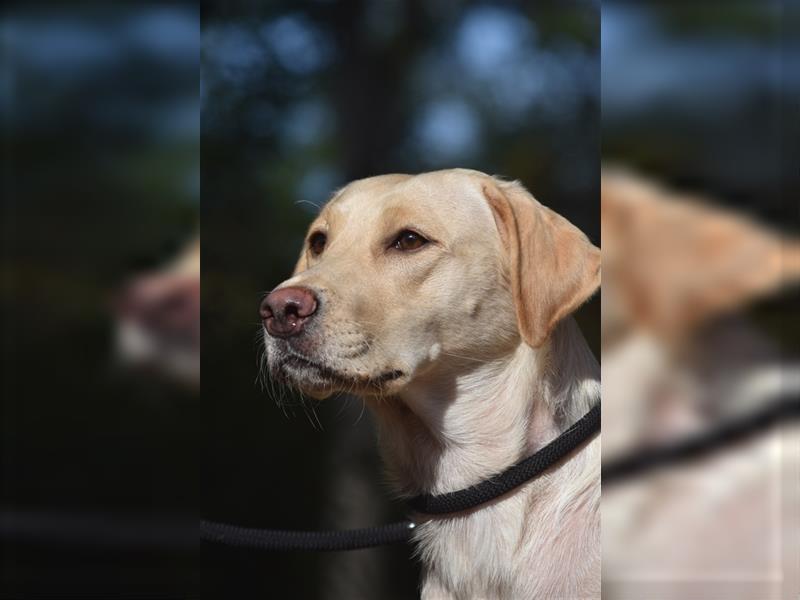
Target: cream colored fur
x,y
679,357
466,354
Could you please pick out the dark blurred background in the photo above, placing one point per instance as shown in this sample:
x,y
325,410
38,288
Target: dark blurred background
x,y
99,112
703,95
299,98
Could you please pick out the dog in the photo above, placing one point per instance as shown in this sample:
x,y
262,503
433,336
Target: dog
x,y
680,355
444,300
157,319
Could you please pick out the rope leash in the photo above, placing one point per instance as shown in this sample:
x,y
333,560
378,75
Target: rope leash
x,y
458,501
321,541
158,533
697,446
728,433
514,476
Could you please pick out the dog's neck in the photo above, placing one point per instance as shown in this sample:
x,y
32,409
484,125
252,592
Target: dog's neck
x,y
469,420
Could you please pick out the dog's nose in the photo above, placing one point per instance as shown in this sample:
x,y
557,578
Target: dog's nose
x,y
285,311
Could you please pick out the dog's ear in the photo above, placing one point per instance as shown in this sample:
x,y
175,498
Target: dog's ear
x,y
677,261
554,268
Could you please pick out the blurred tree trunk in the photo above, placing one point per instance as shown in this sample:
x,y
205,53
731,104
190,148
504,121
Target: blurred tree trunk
x,y
368,89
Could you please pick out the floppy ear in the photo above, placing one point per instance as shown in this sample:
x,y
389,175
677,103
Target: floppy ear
x,y
554,268
680,260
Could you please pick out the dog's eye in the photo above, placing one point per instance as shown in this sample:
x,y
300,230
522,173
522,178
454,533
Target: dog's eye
x,y
408,240
316,243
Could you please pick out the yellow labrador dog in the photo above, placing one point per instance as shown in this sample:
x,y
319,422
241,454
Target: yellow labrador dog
x,y
444,299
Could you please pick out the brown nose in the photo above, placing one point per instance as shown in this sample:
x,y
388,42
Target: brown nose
x,y
285,311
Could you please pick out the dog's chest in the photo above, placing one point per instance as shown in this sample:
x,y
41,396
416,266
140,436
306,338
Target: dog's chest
x,y
469,556
504,551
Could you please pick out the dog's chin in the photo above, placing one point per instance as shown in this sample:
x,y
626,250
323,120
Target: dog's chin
x,y
319,380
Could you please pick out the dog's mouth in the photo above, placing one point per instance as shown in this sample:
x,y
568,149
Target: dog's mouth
x,y
314,375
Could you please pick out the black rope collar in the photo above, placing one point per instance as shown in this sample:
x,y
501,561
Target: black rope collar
x,y
730,431
514,476
453,502
784,410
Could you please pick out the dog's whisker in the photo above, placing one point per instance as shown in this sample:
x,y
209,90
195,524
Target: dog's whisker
x,y
305,409
361,414
314,204
470,358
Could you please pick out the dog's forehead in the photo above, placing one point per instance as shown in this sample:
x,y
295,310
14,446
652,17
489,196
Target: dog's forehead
x,y
452,194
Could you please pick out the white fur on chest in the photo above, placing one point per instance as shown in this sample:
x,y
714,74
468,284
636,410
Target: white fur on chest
x,y
539,541
542,541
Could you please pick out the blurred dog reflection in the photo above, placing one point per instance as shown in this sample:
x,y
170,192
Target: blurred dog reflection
x,y
678,357
158,319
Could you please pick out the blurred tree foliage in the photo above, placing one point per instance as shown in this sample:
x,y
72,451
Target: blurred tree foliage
x,y
699,95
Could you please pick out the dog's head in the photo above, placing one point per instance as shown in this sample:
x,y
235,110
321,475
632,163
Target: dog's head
x,y
401,274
